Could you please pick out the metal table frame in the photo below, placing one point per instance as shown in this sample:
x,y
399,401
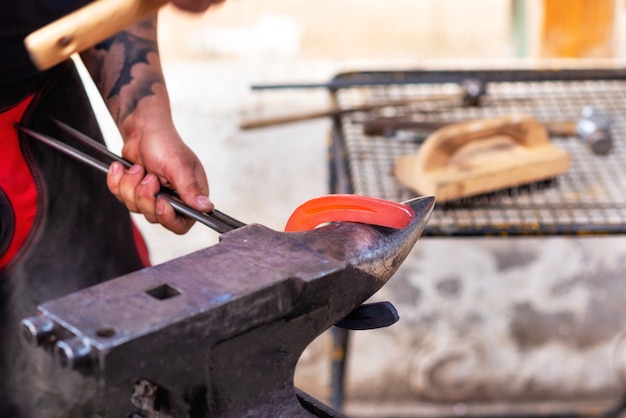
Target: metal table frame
x,y
588,200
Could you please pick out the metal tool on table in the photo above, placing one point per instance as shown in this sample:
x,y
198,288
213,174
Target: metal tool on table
x,y
391,126
474,89
471,94
335,111
593,128
219,332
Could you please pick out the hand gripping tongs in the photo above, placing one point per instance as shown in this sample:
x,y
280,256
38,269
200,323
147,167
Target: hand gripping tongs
x,y
215,219
331,208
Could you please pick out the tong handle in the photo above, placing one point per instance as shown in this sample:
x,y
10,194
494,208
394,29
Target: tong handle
x,y
216,220
84,28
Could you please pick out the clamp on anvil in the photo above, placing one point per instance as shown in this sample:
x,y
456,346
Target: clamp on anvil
x,y
218,332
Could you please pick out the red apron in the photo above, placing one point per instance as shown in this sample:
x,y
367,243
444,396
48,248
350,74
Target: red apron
x,y
17,187
61,230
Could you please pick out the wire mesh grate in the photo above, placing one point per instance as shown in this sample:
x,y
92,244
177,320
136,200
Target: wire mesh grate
x,y
589,199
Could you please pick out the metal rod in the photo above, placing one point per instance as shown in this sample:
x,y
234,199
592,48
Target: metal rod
x,y
227,219
215,220
105,152
89,142
99,148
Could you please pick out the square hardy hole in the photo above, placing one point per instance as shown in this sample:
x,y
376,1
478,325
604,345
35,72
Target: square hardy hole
x,y
165,291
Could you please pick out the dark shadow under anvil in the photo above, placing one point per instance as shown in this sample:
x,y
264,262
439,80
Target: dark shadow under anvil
x,y
219,332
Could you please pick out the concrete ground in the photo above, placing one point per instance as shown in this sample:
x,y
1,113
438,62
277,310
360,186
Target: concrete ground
x,y
452,345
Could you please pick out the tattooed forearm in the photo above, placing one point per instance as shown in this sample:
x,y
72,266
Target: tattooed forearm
x,y
125,68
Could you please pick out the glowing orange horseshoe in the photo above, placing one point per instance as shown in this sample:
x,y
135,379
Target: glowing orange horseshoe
x,y
349,208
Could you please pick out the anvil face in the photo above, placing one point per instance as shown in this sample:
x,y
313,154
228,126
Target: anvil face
x,y
227,323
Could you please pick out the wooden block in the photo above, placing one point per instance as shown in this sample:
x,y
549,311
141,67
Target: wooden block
x,y
472,158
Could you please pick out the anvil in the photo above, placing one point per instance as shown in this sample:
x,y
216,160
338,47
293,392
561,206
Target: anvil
x,y
218,332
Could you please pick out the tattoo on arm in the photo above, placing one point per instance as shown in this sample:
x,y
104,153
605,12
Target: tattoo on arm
x,y
125,68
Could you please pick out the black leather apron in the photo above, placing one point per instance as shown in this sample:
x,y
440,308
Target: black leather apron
x,y
80,235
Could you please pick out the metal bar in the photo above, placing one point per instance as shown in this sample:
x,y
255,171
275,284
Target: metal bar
x,y
217,221
90,142
102,150
387,78
227,219
338,183
99,148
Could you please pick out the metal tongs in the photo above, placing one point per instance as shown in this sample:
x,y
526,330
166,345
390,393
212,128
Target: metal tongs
x,y
216,220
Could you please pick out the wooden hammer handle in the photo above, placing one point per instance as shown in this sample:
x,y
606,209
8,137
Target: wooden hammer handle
x,y
336,111
285,119
84,28
561,128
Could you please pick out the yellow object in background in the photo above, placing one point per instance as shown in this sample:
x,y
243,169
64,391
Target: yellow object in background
x,y
577,28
